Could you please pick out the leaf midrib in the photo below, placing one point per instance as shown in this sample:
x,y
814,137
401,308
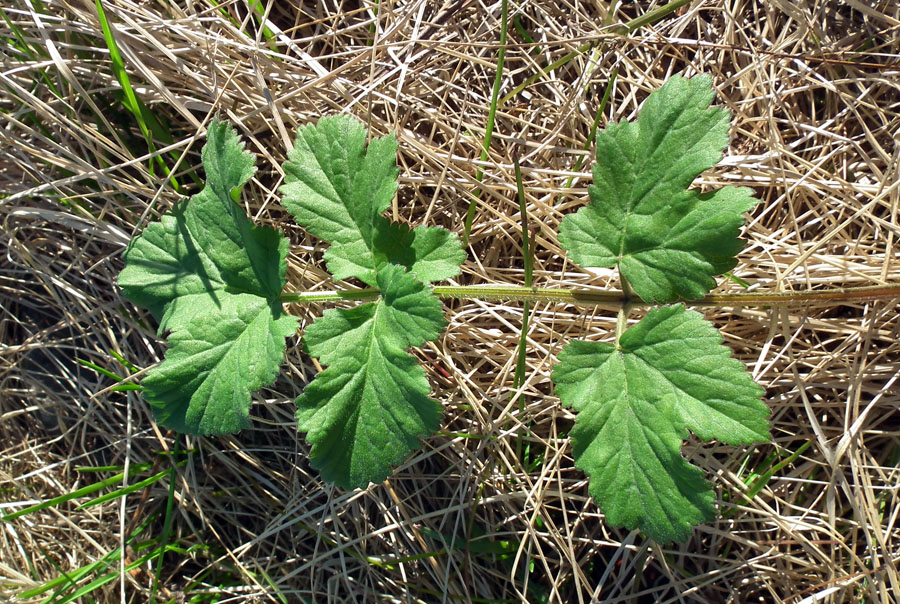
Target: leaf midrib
x,y
647,513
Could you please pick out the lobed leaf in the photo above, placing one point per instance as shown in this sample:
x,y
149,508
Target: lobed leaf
x,y
367,410
337,188
214,281
635,403
215,361
667,241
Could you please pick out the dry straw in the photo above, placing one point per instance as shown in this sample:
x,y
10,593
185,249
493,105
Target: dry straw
x,y
491,509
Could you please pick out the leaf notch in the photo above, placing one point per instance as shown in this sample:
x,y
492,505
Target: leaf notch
x,y
667,241
370,406
213,281
637,399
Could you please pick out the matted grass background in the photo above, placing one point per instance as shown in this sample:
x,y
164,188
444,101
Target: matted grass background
x,y
491,508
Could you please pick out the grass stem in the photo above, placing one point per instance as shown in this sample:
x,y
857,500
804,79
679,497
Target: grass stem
x,y
492,113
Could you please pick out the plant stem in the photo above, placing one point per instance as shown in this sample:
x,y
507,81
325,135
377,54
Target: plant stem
x,y
614,298
527,249
545,70
528,260
651,16
492,114
592,136
628,298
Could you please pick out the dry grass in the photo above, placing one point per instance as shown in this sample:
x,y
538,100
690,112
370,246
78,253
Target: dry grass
x,y
815,90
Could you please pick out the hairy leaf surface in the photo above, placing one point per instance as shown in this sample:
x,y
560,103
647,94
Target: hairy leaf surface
x,y
635,404
368,409
213,280
215,362
668,242
337,188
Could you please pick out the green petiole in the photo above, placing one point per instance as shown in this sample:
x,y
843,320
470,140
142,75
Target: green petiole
x,y
615,298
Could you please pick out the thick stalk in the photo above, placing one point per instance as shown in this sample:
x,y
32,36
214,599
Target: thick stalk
x,y
614,298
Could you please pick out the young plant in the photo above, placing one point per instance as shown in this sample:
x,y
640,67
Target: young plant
x,y
215,284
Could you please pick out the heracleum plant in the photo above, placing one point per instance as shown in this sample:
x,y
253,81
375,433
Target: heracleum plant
x,y
214,282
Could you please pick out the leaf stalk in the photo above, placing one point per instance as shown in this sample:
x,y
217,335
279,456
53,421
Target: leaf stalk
x,y
628,298
615,298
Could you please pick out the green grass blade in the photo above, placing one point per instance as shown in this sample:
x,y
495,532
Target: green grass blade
x,y
259,11
22,45
34,54
607,92
118,66
275,589
735,279
492,112
128,365
164,539
545,70
73,577
132,103
100,581
763,479
99,369
528,253
523,33
100,469
651,16
646,19
111,375
519,378
125,490
523,211
91,488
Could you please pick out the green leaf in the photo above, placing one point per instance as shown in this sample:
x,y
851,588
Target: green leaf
x,y
337,189
214,281
367,410
668,242
215,362
636,403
